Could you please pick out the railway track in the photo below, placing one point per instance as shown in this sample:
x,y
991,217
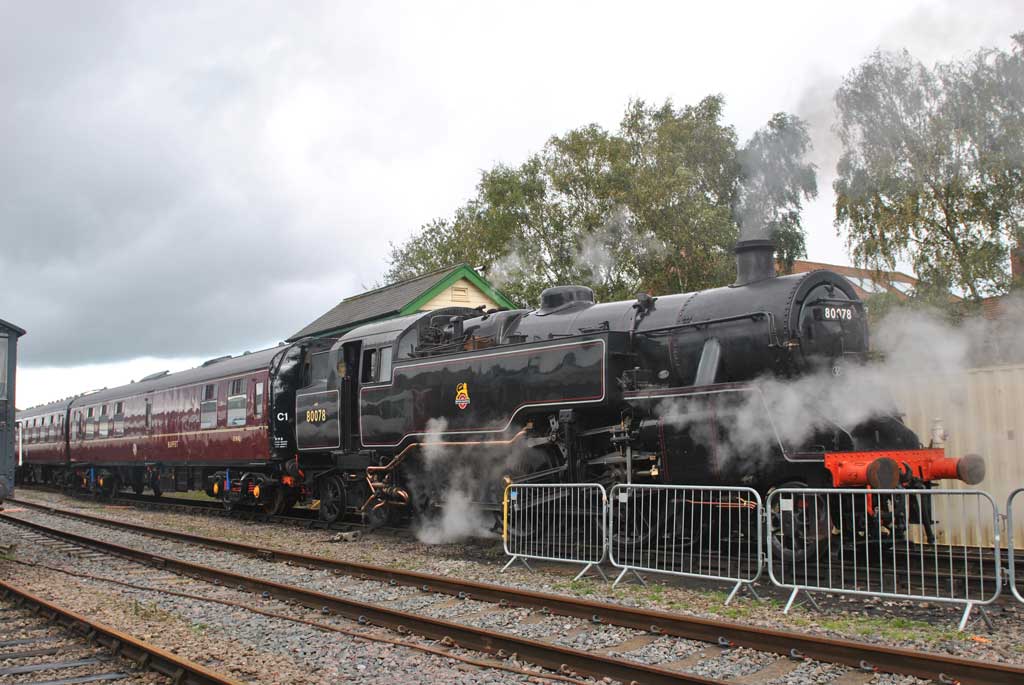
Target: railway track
x,y
644,626
44,640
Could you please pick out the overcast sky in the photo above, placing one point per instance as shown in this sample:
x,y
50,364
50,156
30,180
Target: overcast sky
x,y
179,180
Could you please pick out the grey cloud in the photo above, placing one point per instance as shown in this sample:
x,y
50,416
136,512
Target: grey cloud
x,y
144,209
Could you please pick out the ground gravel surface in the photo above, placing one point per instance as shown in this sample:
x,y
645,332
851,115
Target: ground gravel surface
x,y
919,626
19,624
248,646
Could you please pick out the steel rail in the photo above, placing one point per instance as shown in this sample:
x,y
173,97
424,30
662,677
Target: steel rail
x,y
551,656
179,669
832,650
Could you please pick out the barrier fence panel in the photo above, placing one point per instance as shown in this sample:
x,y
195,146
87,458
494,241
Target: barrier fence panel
x,y
697,531
556,522
883,543
1016,584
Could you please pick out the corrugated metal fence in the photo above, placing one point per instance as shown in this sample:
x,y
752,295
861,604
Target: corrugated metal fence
x,y
982,410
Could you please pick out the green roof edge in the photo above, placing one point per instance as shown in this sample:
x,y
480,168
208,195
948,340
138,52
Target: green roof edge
x,y
459,272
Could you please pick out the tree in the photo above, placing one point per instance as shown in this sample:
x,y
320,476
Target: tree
x,y
651,207
931,169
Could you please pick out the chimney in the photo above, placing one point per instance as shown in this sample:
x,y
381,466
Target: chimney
x,y
755,261
1017,262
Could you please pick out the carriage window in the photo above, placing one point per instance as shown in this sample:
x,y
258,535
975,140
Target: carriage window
x,y
258,402
237,403
149,413
369,370
90,422
208,408
385,364
119,418
104,422
76,425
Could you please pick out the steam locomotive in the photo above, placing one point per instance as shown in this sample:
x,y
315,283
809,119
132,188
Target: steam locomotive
x,y
381,421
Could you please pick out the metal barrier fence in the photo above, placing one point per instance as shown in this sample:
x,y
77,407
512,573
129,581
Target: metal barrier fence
x,y
556,522
707,532
1011,552
883,543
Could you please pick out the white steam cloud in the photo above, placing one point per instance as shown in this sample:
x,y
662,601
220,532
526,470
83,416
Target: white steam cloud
x,y
910,342
459,479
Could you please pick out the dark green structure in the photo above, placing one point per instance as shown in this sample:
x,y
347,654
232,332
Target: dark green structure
x,y
9,334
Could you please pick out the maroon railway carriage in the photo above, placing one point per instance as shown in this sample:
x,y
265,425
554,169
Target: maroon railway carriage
x,y
164,431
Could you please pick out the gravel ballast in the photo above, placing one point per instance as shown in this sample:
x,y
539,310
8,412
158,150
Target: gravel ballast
x,y
928,628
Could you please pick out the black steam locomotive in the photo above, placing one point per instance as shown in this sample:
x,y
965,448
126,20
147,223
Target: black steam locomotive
x,y
654,390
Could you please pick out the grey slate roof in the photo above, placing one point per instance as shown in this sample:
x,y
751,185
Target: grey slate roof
x,y
386,301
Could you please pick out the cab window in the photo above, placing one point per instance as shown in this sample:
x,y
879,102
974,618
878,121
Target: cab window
x,y
384,372
368,374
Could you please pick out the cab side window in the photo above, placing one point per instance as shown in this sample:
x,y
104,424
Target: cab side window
x,y
368,372
384,371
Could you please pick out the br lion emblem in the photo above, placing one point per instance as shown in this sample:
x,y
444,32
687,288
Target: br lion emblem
x,y
462,395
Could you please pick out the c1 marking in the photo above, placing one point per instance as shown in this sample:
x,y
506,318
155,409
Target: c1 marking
x,y
282,416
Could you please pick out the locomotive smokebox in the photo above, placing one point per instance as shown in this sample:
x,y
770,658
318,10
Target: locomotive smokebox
x,y
755,261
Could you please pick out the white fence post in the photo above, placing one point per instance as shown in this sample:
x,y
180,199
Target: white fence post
x,y
556,522
883,543
1011,551
710,532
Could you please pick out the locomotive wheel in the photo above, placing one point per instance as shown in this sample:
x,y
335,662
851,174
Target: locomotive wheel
x,y
332,498
275,503
632,526
138,486
385,516
801,532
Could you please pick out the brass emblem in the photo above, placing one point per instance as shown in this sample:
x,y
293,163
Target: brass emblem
x,y
462,395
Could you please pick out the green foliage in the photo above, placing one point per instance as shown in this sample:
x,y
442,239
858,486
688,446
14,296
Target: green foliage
x,y
651,207
932,166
